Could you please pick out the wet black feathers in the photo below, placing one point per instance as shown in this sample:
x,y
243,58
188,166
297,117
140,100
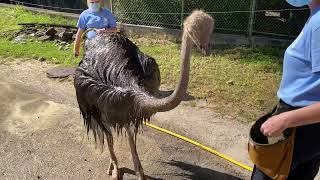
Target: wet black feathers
x,y
113,73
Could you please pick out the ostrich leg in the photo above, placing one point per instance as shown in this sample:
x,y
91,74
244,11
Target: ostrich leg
x,y
113,167
137,165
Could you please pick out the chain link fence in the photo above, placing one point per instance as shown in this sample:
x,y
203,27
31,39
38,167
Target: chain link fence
x,y
248,17
274,18
280,19
170,13
72,6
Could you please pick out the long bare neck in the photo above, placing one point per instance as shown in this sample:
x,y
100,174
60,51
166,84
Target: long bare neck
x,y
166,104
186,48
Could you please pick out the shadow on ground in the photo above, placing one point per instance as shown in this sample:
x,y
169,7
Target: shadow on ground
x,y
125,170
195,172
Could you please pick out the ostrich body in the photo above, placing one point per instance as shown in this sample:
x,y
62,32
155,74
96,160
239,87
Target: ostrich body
x,y
116,83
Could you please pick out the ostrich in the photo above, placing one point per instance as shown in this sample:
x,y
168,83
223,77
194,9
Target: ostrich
x,y
116,85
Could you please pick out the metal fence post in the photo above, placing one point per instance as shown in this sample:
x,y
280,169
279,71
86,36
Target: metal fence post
x,y
183,3
111,5
251,20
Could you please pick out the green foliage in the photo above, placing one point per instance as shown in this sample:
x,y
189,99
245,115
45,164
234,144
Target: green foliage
x,y
168,13
149,12
228,14
288,21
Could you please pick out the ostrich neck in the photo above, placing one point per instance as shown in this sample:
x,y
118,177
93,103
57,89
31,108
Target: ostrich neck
x,y
182,86
168,103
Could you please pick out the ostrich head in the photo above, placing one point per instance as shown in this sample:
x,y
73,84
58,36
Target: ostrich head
x,y
199,27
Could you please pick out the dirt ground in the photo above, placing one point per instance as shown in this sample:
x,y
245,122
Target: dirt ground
x,y
42,135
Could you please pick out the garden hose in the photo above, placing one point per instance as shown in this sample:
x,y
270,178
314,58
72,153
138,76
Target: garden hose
x,y
206,148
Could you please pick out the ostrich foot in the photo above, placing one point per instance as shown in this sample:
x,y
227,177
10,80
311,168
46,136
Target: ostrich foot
x,y
110,168
113,171
139,171
141,177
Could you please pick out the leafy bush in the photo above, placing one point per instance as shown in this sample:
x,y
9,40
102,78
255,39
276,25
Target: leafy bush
x,y
166,13
290,20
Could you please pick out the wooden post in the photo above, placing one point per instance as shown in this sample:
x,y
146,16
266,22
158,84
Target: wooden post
x,y
183,3
251,21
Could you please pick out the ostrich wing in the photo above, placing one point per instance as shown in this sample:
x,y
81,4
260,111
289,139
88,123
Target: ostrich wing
x,y
109,80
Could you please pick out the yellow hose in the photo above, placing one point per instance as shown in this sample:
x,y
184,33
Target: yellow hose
x,y
201,146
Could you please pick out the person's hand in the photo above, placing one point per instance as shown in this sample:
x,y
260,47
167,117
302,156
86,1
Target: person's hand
x,y
76,54
275,125
100,31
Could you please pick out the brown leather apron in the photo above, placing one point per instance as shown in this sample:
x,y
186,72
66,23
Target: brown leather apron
x,y
272,159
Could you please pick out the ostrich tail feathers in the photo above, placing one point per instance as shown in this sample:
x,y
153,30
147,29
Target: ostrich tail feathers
x,y
105,108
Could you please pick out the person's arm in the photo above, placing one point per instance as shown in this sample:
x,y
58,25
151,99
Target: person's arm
x,y
114,29
78,42
107,30
304,116
81,28
275,125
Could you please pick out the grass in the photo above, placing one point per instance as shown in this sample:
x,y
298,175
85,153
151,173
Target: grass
x,y
11,17
239,82
35,50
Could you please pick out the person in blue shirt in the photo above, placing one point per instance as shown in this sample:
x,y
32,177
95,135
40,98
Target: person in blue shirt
x,y
300,87
96,17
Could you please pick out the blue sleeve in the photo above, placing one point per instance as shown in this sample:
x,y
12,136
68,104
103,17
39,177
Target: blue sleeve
x,y
315,50
111,21
81,22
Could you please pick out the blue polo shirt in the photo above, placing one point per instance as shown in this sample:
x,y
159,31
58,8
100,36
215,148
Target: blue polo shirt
x,y
300,85
99,20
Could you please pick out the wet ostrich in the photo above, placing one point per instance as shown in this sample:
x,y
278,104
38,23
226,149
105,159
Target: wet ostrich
x,y
116,85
